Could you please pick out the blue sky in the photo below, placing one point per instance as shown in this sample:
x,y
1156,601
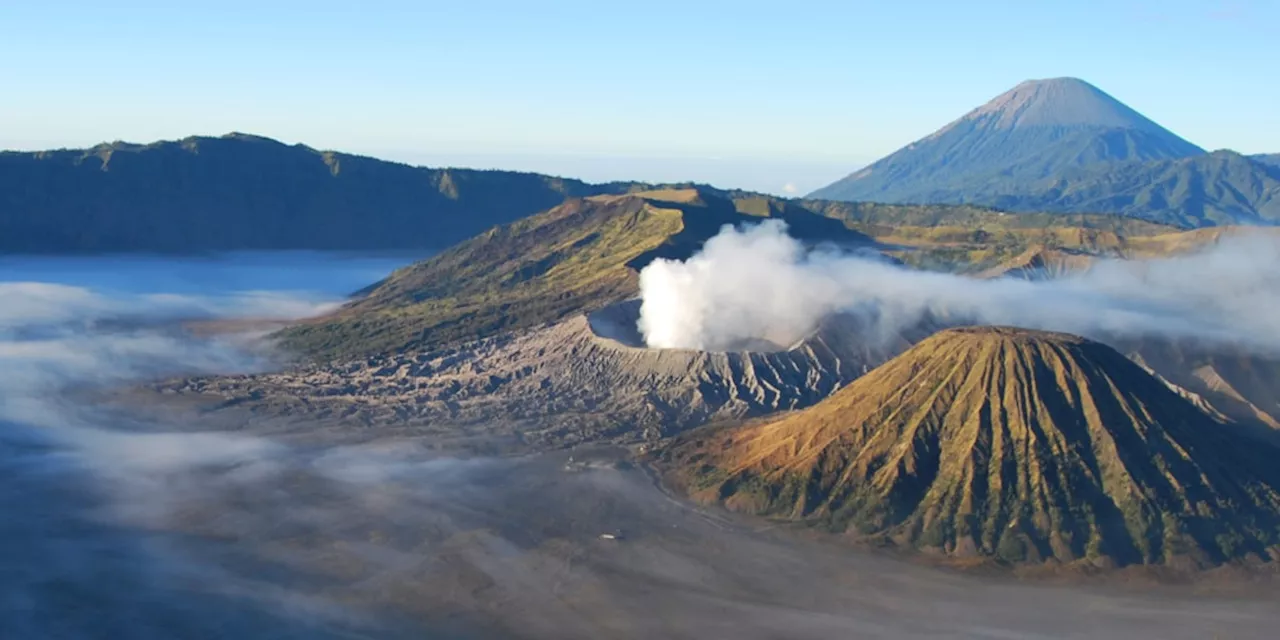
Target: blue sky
x,y
749,94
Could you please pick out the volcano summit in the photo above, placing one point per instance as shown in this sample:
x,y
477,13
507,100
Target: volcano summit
x,y
1015,444
1036,129
1063,145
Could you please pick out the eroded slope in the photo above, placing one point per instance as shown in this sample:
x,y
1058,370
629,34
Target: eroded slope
x,y
579,256
1021,445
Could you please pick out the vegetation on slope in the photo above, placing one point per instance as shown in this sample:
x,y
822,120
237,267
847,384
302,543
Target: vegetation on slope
x,y
581,255
586,253
970,238
1057,255
1018,445
1220,188
241,192
892,218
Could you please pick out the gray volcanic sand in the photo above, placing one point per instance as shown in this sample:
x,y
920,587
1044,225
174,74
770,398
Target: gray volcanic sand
x,y
582,380
513,548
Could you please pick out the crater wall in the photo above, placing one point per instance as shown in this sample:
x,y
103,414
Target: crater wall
x,y
586,378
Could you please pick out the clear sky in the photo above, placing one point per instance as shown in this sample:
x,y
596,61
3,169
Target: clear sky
x,y
750,94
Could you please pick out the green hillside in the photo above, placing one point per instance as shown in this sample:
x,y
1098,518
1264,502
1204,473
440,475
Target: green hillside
x,y
587,253
580,255
1220,188
242,192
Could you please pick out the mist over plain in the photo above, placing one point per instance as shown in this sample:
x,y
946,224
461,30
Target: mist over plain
x,y
93,500
122,527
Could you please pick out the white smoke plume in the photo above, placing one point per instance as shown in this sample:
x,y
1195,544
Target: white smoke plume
x,y
759,283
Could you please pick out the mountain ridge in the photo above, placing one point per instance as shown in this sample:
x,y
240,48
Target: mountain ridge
x,y
243,192
556,263
580,255
1267,158
1218,188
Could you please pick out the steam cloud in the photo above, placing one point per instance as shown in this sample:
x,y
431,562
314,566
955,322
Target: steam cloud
x,y
759,283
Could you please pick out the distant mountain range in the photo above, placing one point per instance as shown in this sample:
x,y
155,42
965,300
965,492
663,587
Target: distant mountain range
x,y
1063,145
1056,146
246,192
243,192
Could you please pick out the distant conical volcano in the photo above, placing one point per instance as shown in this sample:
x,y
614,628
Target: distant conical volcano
x,y
1037,129
1061,103
1020,445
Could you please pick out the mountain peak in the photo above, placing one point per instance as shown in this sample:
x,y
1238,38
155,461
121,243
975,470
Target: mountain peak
x,y
1022,445
1060,102
1039,130
250,137
1060,81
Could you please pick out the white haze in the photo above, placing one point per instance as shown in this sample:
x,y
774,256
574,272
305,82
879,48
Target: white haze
x,y
758,282
92,498
117,527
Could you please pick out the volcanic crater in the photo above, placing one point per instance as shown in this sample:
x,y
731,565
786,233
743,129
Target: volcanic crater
x,y
587,378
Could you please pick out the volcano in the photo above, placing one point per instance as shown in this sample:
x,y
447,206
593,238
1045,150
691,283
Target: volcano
x,y
1037,129
588,378
1019,445
1062,145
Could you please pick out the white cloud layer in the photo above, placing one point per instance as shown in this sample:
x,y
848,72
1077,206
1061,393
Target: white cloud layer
x,y
89,495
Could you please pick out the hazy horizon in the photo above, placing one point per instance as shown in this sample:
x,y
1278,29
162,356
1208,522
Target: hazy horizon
x,y
753,174
756,97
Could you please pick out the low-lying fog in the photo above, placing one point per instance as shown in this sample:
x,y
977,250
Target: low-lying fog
x,y
87,498
118,528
